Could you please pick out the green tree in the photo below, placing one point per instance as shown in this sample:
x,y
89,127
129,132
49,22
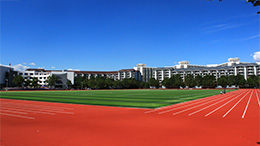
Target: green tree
x,y
190,81
208,81
154,83
35,82
223,81
52,81
252,81
232,80
240,80
178,82
69,84
198,80
168,82
27,83
18,80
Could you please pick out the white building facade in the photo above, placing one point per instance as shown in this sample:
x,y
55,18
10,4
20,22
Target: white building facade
x,y
232,67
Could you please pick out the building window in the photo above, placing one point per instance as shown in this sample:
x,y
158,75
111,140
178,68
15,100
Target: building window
x,y
31,73
25,73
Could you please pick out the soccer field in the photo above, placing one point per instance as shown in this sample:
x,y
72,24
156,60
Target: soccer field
x,y
122,98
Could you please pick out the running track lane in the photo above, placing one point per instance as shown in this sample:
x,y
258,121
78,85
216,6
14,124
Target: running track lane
x,y
115,126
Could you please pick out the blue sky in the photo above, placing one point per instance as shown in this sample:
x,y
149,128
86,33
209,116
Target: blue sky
x,y
116,34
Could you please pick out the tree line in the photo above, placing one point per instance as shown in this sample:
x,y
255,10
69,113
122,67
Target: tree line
x,y
176,81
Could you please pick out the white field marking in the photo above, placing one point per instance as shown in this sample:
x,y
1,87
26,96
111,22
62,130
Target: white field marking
x,y
210,105
257,97
247,105
27,110
38,106
58,107
43,110
8,111
185,103
19,116
203,101
223,105
161,108
194,107
188,102
235,105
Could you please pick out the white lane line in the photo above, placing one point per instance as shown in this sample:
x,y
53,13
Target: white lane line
x,y
193,107
257,97
210,105
234,106
199,104
15,109
247,105
8,111
35,106
19,116
192,102
222,105
43,110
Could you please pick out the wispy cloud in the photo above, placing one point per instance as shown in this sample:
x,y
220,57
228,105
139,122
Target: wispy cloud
x,y
221,27
53,67
20,67
256,56
251,37
32,64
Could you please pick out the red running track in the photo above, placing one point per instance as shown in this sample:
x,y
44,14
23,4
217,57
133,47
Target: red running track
x,y
231,119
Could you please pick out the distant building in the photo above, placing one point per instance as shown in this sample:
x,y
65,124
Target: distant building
x,y
65,75
116,75
140,73
232,67
43,75
7,74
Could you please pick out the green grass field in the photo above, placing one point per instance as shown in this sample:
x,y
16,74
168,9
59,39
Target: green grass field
x,y
122,98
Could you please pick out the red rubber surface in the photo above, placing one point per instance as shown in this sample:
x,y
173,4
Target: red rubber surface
x,y
30,123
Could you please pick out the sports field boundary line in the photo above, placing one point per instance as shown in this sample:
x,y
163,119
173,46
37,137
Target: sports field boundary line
x,y
36,106
199,103
19,116
188,102
234,105
10,111
30,111
211,105
225,104
35,109
247,105
257,97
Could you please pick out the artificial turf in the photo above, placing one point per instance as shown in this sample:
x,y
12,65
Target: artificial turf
x,y
123,98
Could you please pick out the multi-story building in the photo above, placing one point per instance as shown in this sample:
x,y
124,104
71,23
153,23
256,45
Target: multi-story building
x,y
42,75
7,74
116,75
141,72
64,75
232,67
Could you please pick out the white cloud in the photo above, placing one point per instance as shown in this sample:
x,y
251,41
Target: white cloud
x,y
70,69
32,64
53,67
256,56
24,63
252,37
20,67
41,67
